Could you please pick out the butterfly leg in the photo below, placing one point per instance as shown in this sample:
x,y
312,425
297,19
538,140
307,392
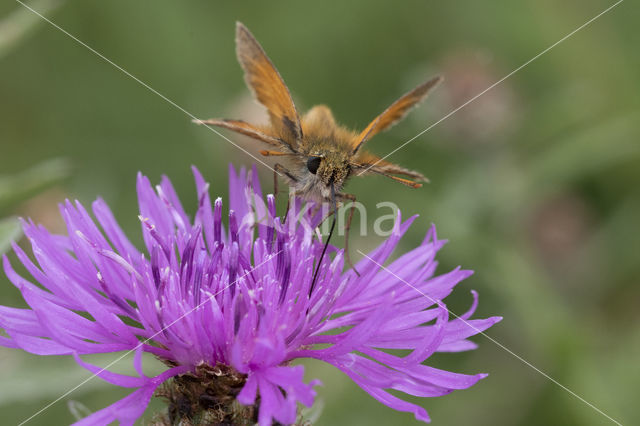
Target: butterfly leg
x,y
279,169
283,171
352,209
275,184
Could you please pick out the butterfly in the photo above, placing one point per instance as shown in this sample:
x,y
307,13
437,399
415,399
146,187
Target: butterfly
x,y
321,155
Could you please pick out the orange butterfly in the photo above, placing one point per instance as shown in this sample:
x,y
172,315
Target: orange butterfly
x,y
321,154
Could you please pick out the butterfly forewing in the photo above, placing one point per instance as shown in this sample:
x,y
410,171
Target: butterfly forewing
x,y
395,112
269,89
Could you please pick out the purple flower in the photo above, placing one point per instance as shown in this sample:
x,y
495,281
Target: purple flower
x,y
229,310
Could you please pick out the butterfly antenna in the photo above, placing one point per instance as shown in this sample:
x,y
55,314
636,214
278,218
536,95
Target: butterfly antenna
x,y
326,244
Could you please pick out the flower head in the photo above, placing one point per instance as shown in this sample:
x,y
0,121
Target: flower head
x,y
228,310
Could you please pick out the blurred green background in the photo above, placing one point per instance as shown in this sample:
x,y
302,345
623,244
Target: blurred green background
x,y
536,184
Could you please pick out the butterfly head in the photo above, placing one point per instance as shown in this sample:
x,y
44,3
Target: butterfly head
x,y
329,168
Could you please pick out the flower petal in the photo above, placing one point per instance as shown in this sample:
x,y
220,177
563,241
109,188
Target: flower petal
x,y
129,409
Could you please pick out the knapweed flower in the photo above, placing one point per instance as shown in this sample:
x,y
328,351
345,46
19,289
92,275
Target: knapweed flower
x,y
229,309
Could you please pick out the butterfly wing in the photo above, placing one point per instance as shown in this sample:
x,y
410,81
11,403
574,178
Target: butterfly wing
x,y
267,86
396,112
366,162
244,128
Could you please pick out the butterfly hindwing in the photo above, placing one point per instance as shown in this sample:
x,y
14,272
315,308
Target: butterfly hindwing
x,y
244,128
366,162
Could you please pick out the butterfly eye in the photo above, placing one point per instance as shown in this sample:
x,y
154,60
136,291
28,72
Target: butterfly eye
x,y
313,163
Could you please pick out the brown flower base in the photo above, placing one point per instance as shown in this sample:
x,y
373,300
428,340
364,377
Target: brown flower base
x,y
206,397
